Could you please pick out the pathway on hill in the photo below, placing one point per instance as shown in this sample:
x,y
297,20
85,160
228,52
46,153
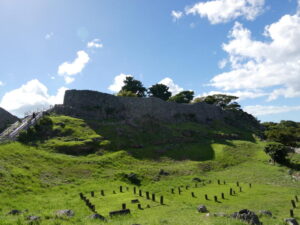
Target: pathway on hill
x,y
13,131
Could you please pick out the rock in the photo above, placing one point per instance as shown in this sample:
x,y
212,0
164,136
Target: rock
x,y
14,212
163,173
65,212
33,218
133,178
291,221
197,179
202,209
265,213
247,216
217,214
97,217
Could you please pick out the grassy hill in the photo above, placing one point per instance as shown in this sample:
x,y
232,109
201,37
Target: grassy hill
x,y
47,174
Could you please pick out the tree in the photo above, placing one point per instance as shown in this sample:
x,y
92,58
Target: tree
x,y
226,102
126,93
278,152
183,97
159,91
135,86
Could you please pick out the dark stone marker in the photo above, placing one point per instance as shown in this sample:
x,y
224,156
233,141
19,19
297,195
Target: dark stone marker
x,y
92,194
179,190
140,193
102,192
291,212
119,212
193,195
206,197
223,196
224,182
241,190
148,206
231,191
219,182
134,190
114,192
135,201
153,197
161,200
296,198
187,187
216,198
121,189
250,185
293,203
237,184
147,195
196,185
127,188
172,190
234,192
81,195
124,206
139,206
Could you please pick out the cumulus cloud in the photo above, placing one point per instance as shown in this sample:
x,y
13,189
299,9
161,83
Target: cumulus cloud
x,y
1,83
96,43
49,36
176,15
174,88
272,64
222,11
31,96
241,94
68,69
118,82
260,110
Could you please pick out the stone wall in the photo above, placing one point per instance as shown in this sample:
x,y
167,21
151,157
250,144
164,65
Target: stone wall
x,y
101,106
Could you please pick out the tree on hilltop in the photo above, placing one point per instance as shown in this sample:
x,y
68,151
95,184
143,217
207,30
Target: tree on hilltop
x,y
159,91
183,97
134,86
224,101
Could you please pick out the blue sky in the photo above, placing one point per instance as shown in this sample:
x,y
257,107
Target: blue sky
x,y
249,48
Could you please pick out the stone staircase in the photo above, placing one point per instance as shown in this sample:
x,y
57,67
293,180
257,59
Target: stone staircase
x,y
12,132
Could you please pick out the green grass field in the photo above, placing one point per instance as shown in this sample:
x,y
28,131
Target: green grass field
x,y
40,179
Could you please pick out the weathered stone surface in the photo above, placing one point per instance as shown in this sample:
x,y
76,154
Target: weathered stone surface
x,y
247,216
97,217
291,221
6,119
33,218
101,106
14,212
202,209
265,213
65,212
163,173
197,179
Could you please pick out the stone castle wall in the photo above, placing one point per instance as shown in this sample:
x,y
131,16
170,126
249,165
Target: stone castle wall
x,y
101,106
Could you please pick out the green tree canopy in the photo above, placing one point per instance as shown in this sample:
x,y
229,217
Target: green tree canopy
x,y
134,86
278,152
183,97
224,101
126,93
159,91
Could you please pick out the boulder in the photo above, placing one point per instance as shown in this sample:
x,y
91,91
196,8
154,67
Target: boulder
x,y
65,212
291,221
163,173
247,216
14,212
33,218
197,179
202,209
265,213
97,217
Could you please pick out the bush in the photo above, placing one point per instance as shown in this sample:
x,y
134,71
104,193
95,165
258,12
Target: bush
x,y
278,152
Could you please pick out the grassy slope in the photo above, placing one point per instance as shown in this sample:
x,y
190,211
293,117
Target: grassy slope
x,y
41,181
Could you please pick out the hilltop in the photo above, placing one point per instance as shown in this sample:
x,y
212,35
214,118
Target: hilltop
x,y
6,119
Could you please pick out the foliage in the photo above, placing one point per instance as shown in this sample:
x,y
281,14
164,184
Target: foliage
x,y
278,152
135,86
285,132
226,102
125,93
183,97
160,91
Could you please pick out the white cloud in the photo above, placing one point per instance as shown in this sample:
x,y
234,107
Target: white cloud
x,y
68,69
118,82
1,83
95,44
31,96
269,64
222,63
49,36
260,110
174,88
176,15
222,11
241,94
